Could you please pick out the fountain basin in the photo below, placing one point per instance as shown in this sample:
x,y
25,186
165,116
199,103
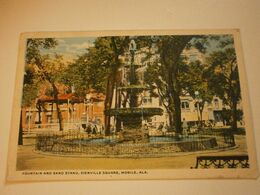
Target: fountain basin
x,y
111,146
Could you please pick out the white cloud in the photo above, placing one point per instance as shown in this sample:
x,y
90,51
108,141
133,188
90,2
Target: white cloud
x,y
69,50
81,46
76,48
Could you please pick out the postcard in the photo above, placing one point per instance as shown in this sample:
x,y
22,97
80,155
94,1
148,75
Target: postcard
x,y
113,105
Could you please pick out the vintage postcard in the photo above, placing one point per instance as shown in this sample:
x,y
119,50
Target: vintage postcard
x,y
131,105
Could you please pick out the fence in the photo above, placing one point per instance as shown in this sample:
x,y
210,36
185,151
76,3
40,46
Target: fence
x,y
52,127
236,161
76,142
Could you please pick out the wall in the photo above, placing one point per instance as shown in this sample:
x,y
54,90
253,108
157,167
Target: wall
x,y
48,15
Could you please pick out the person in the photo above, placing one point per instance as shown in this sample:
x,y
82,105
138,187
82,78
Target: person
x,y
89,129
84,126
185,127
102,131
160,126
164,130
145,126
167,127
95,129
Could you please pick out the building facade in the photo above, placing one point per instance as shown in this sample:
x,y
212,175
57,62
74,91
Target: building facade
x,y
42,115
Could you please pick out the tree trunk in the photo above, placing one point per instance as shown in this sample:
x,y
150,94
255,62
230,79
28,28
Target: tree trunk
x,y
56,99
108,102
20,136
111,83
170,55
234,116
118,105
39,112
201,123
175,96
201,108
171,120
52,112
177,114
198,112
124,101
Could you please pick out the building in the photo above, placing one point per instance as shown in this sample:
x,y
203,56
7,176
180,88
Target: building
x,y
42,115
212,111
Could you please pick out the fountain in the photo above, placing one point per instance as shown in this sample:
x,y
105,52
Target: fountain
x,y
132,116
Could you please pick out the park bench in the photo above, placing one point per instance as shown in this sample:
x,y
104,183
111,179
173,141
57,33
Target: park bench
x,y
232,161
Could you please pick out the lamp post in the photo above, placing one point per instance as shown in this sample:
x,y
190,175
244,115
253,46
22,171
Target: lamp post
x,y
142,98
84,106
87,104
29,120
132,76
198,101
68,103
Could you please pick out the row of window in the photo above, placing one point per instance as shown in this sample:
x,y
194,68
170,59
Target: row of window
x,y
184,104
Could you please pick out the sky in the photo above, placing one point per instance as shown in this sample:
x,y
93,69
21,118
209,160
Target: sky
x,y
73,47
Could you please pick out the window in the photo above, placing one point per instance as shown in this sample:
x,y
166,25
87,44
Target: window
x,y
49,117
185,105
28,117
216,103
160,102
37,118
196,105
147,100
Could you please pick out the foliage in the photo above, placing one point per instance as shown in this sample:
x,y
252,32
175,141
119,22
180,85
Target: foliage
x,y
223,77
31,80
227,115
30,93
92,69
194,83
223,70
169,77
44,68
98,69
34,48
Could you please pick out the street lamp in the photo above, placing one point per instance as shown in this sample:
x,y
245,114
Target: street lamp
x,y
198,101
87,104
142,99
132,49
132,46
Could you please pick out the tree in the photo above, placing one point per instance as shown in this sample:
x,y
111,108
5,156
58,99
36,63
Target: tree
x,y
46,68
196,85
98,69
31,82
223,70
166,73
30,88
50,71
167,70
